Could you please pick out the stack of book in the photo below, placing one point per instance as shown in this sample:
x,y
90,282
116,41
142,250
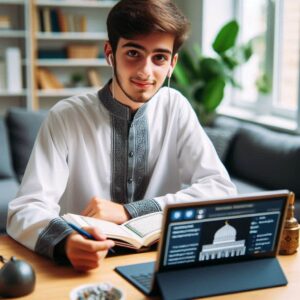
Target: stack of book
x,y
54,20
5,22
94,78
47,80
13,68
82,51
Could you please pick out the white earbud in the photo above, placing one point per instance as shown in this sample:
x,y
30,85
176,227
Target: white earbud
x,y
169,72
110,59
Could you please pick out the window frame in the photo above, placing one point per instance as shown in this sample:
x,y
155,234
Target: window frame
x,y
272,67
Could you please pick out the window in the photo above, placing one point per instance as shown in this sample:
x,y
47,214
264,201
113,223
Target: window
x,y
288,55
252,16
274,27
270,79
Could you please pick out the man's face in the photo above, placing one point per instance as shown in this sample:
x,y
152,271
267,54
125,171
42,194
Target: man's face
x,y
141,66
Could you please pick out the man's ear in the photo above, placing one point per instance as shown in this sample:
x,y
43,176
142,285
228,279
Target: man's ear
x,y
108,52
172,65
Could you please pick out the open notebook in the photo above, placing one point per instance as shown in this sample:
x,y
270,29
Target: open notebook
x,y
137,233
215,247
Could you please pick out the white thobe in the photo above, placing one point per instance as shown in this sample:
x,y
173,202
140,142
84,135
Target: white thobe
x,y
90,145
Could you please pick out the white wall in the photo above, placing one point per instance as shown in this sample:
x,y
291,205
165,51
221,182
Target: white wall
x,y
206,17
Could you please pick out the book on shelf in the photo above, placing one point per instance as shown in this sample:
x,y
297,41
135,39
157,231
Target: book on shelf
x,y
46,19
13,69
62,21
2,75
5,22
36,19
55,20
137,233
84,51
94,78
47,80
52,53
83,23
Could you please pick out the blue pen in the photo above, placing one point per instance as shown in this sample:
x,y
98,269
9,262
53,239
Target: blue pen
x,y
86,234
82,231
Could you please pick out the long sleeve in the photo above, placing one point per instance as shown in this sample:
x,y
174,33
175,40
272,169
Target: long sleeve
x,y
200,168
33,217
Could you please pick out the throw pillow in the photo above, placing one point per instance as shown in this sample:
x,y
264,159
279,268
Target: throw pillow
x,y
23,127
221,139
6,170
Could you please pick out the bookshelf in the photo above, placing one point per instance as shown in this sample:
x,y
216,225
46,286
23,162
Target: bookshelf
x,y
65,46
26,33
15,49
72,62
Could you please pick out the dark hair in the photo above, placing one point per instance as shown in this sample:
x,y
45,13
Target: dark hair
x,y
129,18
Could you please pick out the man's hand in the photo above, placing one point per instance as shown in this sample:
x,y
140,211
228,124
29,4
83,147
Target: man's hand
x,y
87,254
106,210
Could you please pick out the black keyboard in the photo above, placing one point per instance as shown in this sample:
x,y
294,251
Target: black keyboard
x,y
144,279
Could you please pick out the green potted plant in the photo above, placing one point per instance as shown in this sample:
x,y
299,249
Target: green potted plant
x,y
203,79
77,80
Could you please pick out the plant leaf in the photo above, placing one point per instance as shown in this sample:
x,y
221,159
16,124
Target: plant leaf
x,y
180,75
213,94
226,37
197,51
210,68
187,61
230,62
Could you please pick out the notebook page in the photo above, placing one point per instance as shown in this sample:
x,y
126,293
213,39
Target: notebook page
x,y
145,225
108,228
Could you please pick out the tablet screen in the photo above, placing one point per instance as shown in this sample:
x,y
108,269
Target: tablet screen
x,y
221,232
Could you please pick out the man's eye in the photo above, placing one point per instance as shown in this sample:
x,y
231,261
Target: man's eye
x,y
161,58
132,53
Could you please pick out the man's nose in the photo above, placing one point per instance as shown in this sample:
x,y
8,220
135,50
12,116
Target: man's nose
x,y
145,69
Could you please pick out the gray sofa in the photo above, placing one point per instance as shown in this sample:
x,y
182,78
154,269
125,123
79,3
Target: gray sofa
x,y
257,158
18,130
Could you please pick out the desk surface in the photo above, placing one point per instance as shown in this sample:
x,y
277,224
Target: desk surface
x,y
56,282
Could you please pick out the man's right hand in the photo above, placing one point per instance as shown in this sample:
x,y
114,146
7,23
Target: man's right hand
x,y
85,254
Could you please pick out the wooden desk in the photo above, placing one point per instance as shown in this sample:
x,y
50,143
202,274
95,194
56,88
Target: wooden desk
x,y
56,282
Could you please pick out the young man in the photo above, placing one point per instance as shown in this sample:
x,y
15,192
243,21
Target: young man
x,y
122,152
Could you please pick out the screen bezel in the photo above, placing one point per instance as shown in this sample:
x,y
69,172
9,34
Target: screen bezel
x,y
261,196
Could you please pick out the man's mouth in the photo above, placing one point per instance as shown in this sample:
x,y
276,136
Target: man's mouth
x,y
142,84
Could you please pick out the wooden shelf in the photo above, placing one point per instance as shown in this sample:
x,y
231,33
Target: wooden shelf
x,y
12,2
10,34
67,92
12,94
101,62
29,15
85,4
72,36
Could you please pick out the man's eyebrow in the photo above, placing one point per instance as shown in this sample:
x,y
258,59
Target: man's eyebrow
x,y
138,46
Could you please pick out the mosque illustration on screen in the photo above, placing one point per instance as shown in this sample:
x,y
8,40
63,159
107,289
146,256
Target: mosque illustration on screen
x,y
224,245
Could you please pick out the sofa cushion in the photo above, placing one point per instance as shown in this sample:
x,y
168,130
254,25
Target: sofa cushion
x,y
9,188
6,169
221,139
23,126
245,187
266,158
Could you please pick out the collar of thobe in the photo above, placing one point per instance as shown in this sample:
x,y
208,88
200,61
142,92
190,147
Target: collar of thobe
x,y
116,108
